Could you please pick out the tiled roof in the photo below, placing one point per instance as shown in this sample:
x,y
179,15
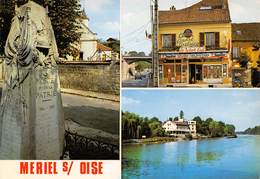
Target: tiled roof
x,y
103,47
203,11
246,32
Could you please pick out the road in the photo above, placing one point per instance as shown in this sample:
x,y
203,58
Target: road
x,y
136,83
92,113
98,114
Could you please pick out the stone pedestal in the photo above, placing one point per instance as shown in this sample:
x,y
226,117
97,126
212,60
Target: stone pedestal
x,y
32,118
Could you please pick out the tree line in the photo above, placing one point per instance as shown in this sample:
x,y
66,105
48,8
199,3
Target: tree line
x,y
253,131
213,128
135,126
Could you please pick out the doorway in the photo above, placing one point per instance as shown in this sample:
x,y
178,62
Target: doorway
x,y
195,73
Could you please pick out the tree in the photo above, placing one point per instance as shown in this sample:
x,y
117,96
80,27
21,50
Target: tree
x,y
181,114
142,65
244,59
6,14
133,53
114,44
65,16
176,118
229,129
141,54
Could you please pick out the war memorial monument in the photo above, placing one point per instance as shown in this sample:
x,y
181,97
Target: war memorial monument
x,y
31,115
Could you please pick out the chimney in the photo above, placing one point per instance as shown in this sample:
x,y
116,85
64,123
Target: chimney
x,y
173,8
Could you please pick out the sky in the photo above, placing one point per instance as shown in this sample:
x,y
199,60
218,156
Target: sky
x,y
104,17
237,107
135,17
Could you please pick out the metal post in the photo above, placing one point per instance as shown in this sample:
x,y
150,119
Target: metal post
x,y
155,45
152,29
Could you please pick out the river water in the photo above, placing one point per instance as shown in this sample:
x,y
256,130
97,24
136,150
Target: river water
x,y
214,158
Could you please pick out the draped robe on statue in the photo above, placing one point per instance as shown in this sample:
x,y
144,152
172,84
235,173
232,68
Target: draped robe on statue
x,y
31,117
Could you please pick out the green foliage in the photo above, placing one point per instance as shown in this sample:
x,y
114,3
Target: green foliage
x,y
176,118
134,126
142,65
181,114
213,128
253,131
136,54
244,59
114,44
63,15
6,14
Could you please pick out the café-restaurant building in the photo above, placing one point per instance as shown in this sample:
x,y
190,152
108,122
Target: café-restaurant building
x,y
195,44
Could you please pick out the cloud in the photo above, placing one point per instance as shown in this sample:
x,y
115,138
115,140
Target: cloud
x,y
96,5
113,26
130,101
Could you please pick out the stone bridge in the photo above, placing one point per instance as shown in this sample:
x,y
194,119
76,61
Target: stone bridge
x,y
128,64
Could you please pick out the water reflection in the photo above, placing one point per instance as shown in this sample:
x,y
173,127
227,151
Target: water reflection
x,y
207,156
232,158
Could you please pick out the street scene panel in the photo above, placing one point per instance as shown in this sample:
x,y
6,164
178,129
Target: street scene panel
x,y
59,80
190,133
189,44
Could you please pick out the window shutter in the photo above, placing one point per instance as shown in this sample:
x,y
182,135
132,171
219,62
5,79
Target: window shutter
x,y
202,39
173,40
217,39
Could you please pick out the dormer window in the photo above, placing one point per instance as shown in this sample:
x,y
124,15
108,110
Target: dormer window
x,y
205,8
238,32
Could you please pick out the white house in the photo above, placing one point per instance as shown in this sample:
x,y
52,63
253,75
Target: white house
x,y
88,41
104,53
180,127
90,48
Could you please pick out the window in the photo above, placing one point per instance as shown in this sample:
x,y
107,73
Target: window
x,y
212,71
235,52
210,39
81,56
168,40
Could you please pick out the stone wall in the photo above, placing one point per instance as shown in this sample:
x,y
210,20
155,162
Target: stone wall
x,y
103,77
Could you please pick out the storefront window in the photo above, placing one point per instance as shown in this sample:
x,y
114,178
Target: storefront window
x,y
212,71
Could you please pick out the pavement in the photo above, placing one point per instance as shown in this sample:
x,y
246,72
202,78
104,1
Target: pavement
x,y
91,94
136,83
91,112
176,85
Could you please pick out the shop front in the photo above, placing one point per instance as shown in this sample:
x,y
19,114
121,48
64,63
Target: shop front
x,y
194,68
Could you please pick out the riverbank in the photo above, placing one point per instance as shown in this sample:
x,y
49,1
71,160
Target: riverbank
x,y
152,140
160,140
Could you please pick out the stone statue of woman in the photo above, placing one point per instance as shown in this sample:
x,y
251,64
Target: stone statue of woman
x,y
31,117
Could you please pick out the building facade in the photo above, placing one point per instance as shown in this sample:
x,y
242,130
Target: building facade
x,y
90,48
246,43
180,127
195,44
